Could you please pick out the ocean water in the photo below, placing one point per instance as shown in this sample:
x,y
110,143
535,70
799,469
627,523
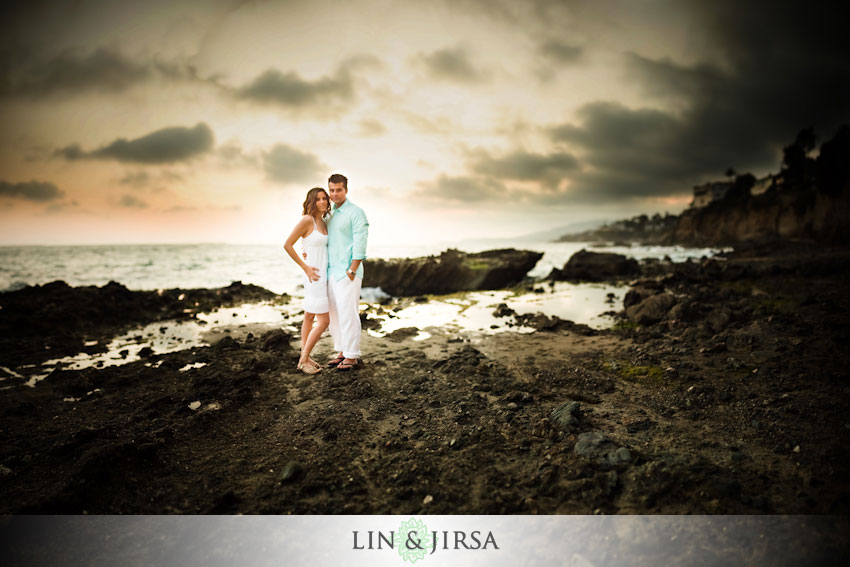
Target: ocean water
x,y
164,266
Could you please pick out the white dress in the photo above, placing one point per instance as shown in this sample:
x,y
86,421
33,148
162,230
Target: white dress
x,y
315,245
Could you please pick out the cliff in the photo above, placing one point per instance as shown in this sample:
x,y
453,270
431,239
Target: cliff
x,y
775,215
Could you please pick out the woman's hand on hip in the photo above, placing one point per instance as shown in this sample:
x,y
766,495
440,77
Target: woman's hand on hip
x,y
313,274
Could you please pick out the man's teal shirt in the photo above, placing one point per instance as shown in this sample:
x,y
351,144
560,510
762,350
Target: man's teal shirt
x,y
348,230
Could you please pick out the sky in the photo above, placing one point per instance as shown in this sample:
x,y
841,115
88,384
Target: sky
x,y
208,121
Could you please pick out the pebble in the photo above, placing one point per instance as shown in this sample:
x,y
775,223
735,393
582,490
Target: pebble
x,y
291,471
427,500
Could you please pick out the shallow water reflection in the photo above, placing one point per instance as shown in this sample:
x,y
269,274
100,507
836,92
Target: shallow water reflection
x,y
465,313
473,312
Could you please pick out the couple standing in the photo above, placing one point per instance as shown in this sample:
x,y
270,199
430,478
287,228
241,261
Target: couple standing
x,y
333,240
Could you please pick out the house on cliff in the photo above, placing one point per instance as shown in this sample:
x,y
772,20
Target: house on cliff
x,y
708,192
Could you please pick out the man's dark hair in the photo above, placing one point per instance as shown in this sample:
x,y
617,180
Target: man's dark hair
x,y
339,178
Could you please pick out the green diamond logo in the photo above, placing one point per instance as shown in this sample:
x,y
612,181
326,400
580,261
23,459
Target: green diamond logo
x,y
413,537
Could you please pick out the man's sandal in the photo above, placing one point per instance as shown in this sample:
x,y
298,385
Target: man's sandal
x,y
336,361
345,367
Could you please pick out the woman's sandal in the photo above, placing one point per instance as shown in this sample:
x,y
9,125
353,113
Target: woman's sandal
x,y
308,368
336,361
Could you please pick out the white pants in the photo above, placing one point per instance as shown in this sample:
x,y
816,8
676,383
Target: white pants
x,y
344,310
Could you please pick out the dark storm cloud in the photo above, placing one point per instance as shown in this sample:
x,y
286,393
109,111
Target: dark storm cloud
x,y
79,71
546,169
285,164
635,153
38,191
291,91
461,189
72,71
789,65
452,64
132,202
167,145
786,68
560,52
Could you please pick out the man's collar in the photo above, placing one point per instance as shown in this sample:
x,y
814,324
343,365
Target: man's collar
x,y
337,207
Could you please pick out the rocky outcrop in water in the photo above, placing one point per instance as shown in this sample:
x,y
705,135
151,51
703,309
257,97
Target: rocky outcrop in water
x,y
596,266
451,271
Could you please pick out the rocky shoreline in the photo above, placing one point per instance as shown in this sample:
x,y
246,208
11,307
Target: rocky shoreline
x,y
722,390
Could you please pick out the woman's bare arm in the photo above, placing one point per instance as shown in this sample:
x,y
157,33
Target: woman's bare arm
x,y
300,230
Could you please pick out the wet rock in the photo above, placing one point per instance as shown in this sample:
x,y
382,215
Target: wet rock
x,y
541,322
596,266
451,271
599,449
652,309
146,352
503,311
367,323
401,334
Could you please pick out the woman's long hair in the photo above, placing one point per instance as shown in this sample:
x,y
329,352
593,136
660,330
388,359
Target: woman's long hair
x,y
310,201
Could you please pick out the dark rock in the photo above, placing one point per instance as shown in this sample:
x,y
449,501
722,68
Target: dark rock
x,y
719,319
566,416
451,271
652,309
275,340
503,311
596,266
541,322
227,343
598,448
292,471
367,322
146,352
683,311
636,295
401,334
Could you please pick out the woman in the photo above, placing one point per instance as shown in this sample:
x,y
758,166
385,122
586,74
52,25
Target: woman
x,y
313,232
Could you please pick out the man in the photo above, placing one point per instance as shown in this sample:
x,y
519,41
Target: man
x,y
348,230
